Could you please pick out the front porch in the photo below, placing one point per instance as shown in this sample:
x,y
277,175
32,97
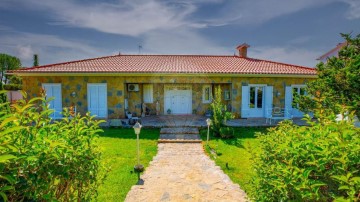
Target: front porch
x,y
200,121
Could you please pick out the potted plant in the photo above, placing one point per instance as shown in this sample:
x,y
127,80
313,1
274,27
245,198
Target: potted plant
x,y
169,111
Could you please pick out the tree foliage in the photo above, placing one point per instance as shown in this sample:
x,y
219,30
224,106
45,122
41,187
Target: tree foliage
x,y
8,62
36,60
338,80
46,160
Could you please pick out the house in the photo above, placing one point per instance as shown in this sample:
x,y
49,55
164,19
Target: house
x,y
174,84
333,52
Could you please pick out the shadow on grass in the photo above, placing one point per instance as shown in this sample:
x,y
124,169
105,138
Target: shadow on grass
x,y
128,133
240,134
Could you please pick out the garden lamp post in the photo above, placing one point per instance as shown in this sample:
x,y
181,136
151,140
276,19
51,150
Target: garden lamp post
x,y
208,123
138,168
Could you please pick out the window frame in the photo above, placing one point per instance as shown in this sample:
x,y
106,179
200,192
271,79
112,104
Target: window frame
x,y
149,87
204,87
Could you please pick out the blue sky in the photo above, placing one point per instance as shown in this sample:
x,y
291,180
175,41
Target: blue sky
x,y
290,31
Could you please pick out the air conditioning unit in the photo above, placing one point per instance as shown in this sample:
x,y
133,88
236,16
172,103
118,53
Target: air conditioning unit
x,y
133,87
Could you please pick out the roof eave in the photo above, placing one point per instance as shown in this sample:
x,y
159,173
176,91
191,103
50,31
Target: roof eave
x,y
163,74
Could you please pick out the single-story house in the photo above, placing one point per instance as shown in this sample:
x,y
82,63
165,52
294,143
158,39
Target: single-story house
x,y
110,86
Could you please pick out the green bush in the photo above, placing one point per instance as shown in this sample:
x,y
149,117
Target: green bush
x,y
46,160
301,163
220,113
226,132
12,87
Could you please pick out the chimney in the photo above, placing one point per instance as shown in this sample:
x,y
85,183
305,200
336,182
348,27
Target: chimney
x,y
243,50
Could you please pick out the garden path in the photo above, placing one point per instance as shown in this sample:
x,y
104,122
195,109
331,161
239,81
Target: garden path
x,y
183,172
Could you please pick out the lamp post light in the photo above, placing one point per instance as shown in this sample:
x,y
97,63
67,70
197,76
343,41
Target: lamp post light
x,y
208,123
138,168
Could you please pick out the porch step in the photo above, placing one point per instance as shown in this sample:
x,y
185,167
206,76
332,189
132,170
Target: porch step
x,y
184,130
179,135
181,138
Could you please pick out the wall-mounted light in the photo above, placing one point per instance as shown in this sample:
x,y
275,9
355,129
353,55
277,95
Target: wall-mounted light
x,y
73,94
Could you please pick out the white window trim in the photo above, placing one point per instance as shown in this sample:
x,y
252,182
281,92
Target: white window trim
x,y
203,93
149,99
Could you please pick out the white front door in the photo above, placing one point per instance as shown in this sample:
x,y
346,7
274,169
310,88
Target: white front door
x,y
290,93
256,99
53,91
97,99
179,101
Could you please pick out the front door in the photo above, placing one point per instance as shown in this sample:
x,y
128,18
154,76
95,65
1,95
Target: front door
x,y
291,93
256,100
178,100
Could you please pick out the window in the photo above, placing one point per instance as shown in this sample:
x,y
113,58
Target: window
x,y
296,92
226,95
53,94
256,96
148,93
207,94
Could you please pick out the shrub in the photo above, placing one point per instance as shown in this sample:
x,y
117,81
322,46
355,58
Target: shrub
x,y
220,113
316,163
226,132
12,87
46,160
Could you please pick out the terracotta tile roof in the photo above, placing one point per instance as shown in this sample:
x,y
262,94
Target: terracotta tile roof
x,y
172,64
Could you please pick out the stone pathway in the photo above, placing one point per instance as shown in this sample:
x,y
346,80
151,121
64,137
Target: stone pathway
x,y
182,172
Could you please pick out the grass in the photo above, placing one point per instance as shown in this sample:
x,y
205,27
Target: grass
x,y
235,153
119,154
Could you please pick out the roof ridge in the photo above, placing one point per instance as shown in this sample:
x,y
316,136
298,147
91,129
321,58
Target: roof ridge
x,y
69,62
281,63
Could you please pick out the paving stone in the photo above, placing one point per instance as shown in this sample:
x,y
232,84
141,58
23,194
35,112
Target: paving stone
x,y
182,171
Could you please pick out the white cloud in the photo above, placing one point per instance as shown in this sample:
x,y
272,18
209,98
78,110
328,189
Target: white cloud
x,y
180,41
25,52
354,10
50,48
290,55
127,17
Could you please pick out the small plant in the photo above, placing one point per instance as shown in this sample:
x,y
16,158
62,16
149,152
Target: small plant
x,y
169,111
226,132
220,113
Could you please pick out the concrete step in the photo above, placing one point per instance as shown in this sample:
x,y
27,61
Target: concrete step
x,y
180,138
184,130
178,141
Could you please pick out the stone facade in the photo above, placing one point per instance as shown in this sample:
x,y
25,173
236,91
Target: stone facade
x,y
117,90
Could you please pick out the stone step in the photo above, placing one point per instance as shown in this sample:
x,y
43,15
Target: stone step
x,y
178,141
185,130
180,136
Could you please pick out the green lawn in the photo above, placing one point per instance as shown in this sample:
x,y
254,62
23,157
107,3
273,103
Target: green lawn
x,y
235,152
119,154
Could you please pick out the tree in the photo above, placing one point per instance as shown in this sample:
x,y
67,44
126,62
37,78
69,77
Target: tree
x,y
338,83
36,60
7,62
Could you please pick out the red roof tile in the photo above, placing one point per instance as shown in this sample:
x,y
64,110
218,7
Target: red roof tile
x,y
172,64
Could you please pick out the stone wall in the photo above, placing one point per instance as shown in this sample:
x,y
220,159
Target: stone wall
x,y
117,90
